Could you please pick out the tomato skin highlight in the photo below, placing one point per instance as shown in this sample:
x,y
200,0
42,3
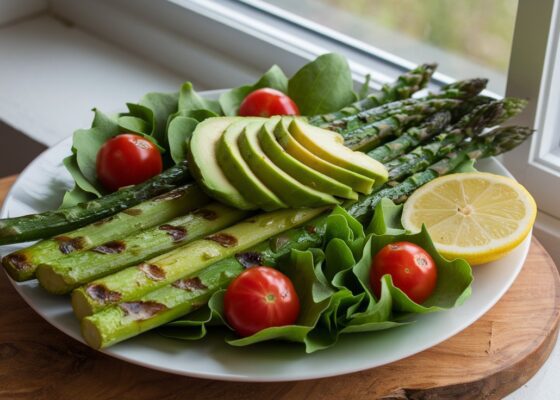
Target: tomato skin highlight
x,y
267,102
412,269
127,159
259,298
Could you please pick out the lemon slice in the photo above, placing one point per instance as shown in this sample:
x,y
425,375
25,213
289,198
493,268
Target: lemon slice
x,y
476,216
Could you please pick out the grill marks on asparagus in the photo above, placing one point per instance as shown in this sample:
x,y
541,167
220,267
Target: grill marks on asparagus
x,y
67,244
141,310
18,261
112,247
152,271
102,294
189,284
249,258
223,239
177,233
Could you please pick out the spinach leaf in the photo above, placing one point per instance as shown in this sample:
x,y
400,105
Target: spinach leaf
x,y
178,135
322,86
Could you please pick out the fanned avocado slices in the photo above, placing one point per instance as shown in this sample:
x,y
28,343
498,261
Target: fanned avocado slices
x,y
357,182
288,189
204,166
239,173
313,139
295,168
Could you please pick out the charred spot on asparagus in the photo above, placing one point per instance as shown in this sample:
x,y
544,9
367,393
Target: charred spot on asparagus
x,y
177,233
102,294
152,271
18,261
112,247
249,258
189,284
223,239
142,310
67,245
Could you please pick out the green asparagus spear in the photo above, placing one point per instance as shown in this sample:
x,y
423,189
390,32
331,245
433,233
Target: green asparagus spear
x,y
117,323
64,274
461,90
52,223
498,141
129,319
404,87
371,135
485,114
471,124
21,265
134,282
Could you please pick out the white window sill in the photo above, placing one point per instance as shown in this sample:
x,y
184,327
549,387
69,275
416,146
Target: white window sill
x,y
52,75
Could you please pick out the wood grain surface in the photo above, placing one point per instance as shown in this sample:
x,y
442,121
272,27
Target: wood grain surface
x,y
493,357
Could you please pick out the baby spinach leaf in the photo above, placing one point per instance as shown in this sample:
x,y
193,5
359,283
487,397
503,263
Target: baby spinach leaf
x,y
323,85
85,145
178,135
190,100
158,107
274,78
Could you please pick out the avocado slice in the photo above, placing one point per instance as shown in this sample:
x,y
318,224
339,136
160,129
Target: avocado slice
x,y
308,176
290,191
239,173
358,182
203,163
314,140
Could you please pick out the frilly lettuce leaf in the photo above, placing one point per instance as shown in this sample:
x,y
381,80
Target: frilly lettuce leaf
x,y
332,283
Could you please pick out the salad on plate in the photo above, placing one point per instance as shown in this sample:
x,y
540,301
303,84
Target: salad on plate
x,y
290,209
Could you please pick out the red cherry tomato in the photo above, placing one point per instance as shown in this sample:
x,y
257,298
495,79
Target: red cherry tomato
x,y
127,159
259,298
412,269
267,102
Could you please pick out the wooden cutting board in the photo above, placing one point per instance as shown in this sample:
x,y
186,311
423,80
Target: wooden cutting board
x,y
491,358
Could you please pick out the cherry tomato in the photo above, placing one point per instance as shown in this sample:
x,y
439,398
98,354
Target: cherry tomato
x,y
267,102
259,298
127,159
412,269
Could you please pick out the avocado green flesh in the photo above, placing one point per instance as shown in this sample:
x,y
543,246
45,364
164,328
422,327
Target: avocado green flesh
x,y
314,140
204,166
358,182
239,173
290,191
295,168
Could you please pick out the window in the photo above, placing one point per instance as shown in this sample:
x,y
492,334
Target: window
x,y
466,37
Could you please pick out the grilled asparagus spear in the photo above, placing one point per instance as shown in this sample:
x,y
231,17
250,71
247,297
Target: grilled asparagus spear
x,y
21,265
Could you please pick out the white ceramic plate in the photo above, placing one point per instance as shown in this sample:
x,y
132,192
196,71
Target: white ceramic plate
x,y
40,188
